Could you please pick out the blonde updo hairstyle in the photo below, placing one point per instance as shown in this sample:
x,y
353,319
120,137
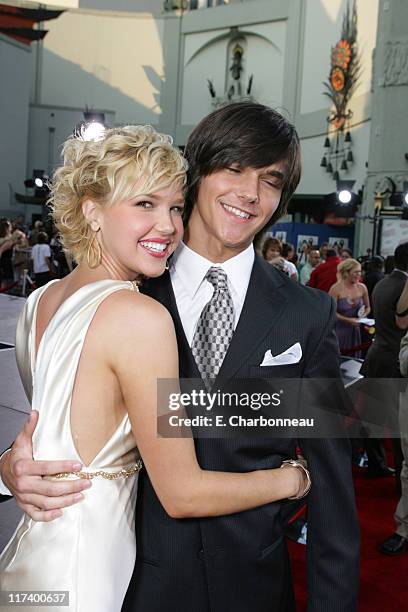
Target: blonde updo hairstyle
x,y
106,171
345,267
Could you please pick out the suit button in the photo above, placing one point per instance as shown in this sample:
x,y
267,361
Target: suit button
x,y
200,554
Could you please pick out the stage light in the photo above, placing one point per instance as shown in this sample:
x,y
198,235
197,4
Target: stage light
x,y
344,196
92,131
343,202
39,184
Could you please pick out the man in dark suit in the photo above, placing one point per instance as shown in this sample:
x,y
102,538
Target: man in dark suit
x,y
244,167
382,359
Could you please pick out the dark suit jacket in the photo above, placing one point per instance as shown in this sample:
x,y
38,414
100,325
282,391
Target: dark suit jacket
x,y
239,563
382,357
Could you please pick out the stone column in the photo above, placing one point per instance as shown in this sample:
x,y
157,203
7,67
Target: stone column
x,y
389,116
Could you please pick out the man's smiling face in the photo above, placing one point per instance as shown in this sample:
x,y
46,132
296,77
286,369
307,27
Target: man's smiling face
x,y
233,204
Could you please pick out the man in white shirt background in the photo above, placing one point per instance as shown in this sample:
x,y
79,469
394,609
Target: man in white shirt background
x,y
313,260
41,258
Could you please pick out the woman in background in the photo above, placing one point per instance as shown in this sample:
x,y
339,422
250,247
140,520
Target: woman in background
x,y
352,304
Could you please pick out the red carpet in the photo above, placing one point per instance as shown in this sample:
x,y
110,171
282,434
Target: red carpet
x,y
384,580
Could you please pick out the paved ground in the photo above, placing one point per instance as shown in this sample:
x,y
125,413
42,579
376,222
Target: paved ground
x,y
13,402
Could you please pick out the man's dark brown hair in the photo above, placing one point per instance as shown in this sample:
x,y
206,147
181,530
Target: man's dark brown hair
x,y
250,135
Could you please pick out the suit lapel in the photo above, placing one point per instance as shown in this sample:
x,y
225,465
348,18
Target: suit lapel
x,y
264,304
161,290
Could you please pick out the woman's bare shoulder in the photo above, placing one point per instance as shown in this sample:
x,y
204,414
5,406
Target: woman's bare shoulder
x,y
129,312
335,289
132,327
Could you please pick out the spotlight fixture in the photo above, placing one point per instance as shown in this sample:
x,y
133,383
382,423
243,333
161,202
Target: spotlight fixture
x,y
405,200
92,128
405,192
38,183
92,131
344,196
344,201
344,191
397,198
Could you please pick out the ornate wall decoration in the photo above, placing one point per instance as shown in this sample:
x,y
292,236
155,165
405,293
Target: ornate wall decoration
x,y
396,64
235,90
339,88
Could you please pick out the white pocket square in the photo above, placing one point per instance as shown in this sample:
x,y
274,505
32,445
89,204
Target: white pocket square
x,y
292,355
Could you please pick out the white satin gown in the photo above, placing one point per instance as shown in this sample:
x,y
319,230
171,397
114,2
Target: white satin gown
x,y
90,551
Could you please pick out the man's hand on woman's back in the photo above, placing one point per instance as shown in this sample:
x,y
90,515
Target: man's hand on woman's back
x,y
42,500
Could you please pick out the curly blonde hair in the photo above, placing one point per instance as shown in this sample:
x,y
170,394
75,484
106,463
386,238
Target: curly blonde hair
x,y
346,266
107,171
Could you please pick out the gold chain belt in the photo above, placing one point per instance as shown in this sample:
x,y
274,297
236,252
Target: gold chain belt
x,y
123,473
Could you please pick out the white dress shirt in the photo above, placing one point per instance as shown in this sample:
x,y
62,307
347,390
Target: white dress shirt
x,y
193,292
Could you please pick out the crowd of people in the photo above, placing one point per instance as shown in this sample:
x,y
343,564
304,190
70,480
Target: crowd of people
x,y
35,251
334,270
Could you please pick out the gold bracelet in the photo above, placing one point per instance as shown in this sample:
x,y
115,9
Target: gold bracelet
x,y
123,473
299,465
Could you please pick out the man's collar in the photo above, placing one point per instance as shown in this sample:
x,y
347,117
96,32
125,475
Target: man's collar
x,y
192,267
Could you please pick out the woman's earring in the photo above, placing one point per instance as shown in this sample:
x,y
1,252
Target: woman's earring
x,y
167,266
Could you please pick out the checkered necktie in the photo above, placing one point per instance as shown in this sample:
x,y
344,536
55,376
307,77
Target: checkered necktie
x,y
215,327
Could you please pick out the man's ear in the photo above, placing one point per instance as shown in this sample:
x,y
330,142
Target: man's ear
x,y
91,211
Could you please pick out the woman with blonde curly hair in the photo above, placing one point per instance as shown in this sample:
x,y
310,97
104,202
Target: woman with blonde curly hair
x,y
90,351
353,303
